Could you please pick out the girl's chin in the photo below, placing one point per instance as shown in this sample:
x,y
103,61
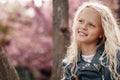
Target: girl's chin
x,y
81,40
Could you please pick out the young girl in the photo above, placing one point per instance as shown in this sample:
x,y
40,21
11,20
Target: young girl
x,y
94,52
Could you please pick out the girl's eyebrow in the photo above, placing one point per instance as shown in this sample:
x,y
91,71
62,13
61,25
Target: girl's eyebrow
x,y
80,19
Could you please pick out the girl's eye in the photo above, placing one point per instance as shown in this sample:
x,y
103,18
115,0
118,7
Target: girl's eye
x,y
80,21
91,25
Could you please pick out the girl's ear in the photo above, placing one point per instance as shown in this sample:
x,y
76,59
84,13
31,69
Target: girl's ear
x,y
100,36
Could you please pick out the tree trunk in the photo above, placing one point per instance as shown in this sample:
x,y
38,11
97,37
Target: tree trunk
x,y
60,36
119,10
7,71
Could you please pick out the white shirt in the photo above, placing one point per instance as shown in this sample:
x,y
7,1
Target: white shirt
x,y
88,58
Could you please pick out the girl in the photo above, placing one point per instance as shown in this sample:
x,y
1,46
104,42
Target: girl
x,y
94,52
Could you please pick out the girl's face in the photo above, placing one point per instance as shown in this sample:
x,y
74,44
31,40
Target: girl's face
x,y
88,26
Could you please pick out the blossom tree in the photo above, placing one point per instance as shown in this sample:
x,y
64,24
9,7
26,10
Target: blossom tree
x,y
26,34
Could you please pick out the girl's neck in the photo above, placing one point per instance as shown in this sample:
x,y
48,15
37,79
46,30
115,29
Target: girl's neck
x,y
88,49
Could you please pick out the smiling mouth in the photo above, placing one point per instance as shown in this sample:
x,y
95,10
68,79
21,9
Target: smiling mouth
x,y
82,33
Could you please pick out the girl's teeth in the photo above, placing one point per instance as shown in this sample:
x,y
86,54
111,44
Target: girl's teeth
x,y
82,34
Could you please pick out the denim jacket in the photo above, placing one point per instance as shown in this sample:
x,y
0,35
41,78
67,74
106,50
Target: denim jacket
x,y
89,71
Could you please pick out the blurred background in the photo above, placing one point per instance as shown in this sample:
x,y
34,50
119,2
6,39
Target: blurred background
x,y
26,34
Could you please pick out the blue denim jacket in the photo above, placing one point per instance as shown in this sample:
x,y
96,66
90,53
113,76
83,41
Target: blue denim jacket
x,y
89,71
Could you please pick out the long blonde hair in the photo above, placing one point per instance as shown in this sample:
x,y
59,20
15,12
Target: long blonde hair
x,y
111,34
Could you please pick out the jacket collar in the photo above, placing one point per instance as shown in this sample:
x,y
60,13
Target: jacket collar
x,y
97,55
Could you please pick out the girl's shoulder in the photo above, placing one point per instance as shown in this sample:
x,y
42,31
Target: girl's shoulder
x,y
118,60
118,54
66,66
65,62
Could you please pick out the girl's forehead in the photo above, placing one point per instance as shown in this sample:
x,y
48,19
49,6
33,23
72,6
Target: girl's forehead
x,y
90,15
88,11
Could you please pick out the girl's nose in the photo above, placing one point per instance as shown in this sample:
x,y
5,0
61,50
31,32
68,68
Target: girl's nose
x,y
84,26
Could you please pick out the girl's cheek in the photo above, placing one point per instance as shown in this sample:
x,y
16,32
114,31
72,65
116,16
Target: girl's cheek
x,y
77,27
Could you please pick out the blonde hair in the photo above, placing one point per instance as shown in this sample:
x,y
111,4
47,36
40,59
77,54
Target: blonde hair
x,y
111,35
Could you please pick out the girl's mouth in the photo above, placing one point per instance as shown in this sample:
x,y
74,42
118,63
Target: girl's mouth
x,y
81,33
